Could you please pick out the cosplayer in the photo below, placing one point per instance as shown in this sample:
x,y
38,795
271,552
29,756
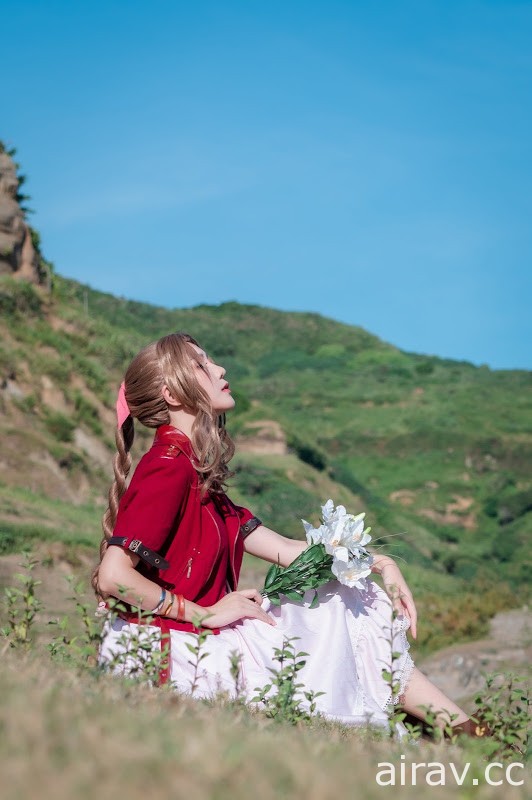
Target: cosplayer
x,y
173,546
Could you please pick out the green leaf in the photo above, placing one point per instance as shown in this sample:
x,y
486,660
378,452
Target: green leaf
x,y
315,601
271,575
293,595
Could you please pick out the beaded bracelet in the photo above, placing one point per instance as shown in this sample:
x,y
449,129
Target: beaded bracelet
x,y
160,603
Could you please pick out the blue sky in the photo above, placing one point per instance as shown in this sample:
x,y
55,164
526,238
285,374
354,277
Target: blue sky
x,y
370,161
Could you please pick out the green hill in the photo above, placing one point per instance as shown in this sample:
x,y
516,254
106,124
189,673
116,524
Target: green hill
x,y
438,452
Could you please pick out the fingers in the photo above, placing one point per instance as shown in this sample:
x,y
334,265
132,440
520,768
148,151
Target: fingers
x,y
257,612
410,609
250,600
403,603
252,594
413,618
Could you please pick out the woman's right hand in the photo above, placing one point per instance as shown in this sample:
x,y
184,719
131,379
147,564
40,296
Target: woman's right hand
x,y
242,604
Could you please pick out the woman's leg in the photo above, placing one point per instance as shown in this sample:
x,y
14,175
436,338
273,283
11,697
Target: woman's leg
x,y
422,692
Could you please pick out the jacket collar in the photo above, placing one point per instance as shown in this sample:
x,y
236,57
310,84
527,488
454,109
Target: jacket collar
x,y
168,435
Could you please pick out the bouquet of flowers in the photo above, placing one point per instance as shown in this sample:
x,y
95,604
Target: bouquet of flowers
x,y
336,550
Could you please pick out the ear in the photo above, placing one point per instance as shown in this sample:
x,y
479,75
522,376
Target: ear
x,y
169,398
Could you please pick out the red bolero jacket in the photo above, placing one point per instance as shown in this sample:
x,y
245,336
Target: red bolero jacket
x,y
190,544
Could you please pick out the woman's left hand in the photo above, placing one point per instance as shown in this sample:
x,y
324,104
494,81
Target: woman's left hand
x,y
397,590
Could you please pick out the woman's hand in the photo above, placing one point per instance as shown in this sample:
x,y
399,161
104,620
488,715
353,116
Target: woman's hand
x,y
397,590
242,604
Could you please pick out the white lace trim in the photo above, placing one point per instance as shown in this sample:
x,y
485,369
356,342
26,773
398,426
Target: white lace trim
x,y
406,668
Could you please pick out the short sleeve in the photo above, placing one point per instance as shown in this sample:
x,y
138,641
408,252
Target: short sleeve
x,y
248,522
151,508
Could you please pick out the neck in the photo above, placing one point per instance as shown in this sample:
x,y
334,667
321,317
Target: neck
x,y
183,420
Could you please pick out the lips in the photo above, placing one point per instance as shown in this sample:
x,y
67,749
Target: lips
x,y
225,388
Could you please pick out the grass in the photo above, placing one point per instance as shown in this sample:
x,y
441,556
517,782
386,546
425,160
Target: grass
x,y
92,735
98,737
26,516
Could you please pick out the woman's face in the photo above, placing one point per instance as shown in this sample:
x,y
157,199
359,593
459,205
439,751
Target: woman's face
x,y
210,377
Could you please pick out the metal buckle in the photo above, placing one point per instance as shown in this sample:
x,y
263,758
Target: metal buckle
x,y
134,545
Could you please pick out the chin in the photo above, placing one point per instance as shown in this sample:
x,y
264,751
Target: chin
x,y
227,405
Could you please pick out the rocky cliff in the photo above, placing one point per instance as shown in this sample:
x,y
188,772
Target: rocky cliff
x,y
18,255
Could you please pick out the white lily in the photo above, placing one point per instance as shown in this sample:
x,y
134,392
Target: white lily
x,y
314,535
355,536
344,538
353,573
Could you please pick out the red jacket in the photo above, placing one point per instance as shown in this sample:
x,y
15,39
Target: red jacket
x,y
201,538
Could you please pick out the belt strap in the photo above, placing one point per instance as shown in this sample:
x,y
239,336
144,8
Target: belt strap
x,y
250,526
135,545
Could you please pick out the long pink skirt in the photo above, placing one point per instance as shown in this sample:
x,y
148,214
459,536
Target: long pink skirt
x,y
349,637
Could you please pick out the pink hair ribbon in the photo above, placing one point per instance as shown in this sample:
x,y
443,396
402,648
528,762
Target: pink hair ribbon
x,y
122,408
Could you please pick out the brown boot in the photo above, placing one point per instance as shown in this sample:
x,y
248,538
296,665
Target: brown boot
x,y
471,728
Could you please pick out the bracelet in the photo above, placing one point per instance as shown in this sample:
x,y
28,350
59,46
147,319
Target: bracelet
x,y
164,612
180,608
160,603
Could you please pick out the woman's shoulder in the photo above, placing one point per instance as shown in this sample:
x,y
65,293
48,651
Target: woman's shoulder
x,y
165,463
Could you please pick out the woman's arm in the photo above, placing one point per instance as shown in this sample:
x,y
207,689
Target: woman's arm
x,y
396,588
271,546
119,578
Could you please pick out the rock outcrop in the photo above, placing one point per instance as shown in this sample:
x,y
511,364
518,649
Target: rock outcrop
x,y
18,256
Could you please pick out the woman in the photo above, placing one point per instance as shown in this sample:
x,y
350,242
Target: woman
x,y
173,546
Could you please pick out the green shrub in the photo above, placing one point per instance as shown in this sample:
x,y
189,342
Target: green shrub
x,y
28,404
19,298
307,453
334,351
86,413
274,499
8,364
342,474
56,368
284,361
447,533
59,425
514,506
424,368
93,373
242,402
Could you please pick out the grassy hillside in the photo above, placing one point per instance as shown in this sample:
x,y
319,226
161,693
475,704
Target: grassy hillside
x,y
437,452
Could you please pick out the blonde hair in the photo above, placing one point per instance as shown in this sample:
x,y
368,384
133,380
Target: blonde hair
x,y
170,362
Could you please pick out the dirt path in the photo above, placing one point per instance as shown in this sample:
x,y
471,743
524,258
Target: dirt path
x,y
458,669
